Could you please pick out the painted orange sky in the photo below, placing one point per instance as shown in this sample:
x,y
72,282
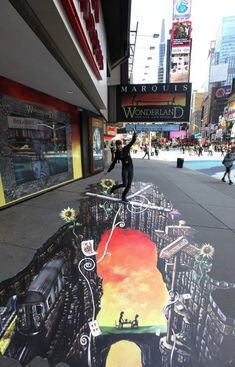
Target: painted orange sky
x,y
154,99
131,281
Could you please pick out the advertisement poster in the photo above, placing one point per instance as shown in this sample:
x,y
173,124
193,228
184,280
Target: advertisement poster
x,y
181,9
222,92
96,143
181,34
166,102
179,71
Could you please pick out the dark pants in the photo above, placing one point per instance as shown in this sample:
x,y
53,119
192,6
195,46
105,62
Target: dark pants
x,y
146,153
127,177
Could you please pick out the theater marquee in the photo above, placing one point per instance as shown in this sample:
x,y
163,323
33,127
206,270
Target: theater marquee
x,y
169,102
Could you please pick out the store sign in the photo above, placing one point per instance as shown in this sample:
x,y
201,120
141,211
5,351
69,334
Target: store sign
x,y
180,50
15,122
153,127
90,10
87,36
181,9
165,102
222,92
111,130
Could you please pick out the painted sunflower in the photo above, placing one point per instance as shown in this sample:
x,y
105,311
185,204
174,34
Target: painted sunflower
x,y
107,183
68,215
207,251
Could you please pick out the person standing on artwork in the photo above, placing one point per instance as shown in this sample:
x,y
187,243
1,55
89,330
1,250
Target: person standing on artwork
x,y
123,154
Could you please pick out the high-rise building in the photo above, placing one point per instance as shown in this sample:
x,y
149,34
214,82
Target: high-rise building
x,y
211,61
221,69
162,51
196,117
225,40
225,47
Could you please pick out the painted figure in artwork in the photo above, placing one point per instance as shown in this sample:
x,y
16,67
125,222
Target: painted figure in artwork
x,y
121,320
135,322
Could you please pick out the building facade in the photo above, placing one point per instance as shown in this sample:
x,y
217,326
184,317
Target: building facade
x,y
58,59
196,116
162,54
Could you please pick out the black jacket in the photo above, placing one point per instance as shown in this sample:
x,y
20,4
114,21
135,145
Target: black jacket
x,y
124,155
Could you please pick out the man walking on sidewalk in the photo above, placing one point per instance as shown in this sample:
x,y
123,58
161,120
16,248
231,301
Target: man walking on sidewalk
x,y
228,163
123,154
146,150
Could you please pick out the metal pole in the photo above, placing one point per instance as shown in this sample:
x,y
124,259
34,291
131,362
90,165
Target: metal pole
x,y
171,308
150,142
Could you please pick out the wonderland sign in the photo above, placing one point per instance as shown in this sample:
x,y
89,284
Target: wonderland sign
x,y
166,102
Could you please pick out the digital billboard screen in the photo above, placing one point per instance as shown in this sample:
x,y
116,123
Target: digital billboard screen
x,y
181,9
180,67
181,34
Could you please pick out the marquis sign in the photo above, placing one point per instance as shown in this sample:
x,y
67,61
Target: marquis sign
x,y
165,102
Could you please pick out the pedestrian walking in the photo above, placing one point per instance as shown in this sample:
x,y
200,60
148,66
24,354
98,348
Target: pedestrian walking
x,y
210,150
222,150
228,163
156,150
123,154
200,150
146,151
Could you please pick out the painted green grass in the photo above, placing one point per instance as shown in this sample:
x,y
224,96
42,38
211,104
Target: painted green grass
x,y
139,330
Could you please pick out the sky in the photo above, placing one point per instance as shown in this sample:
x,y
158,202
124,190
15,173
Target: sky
x,y
206,16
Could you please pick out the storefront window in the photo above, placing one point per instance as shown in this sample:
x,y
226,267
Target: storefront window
x,y
36,147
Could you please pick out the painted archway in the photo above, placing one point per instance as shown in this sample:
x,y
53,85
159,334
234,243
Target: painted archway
x,y
124,353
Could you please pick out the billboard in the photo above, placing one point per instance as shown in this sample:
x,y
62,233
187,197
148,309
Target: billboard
x,y
181,9
181,34
165,102
179,68
222,92
218,73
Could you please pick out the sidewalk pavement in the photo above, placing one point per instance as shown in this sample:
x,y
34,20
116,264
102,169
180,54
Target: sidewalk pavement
x,y
205,203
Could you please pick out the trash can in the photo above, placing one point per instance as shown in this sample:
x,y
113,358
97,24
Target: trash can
x,y
180,162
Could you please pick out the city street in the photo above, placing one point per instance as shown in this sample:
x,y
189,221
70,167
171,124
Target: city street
x,y
204,204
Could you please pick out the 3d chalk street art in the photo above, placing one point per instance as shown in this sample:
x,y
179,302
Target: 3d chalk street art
x,y
119,284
